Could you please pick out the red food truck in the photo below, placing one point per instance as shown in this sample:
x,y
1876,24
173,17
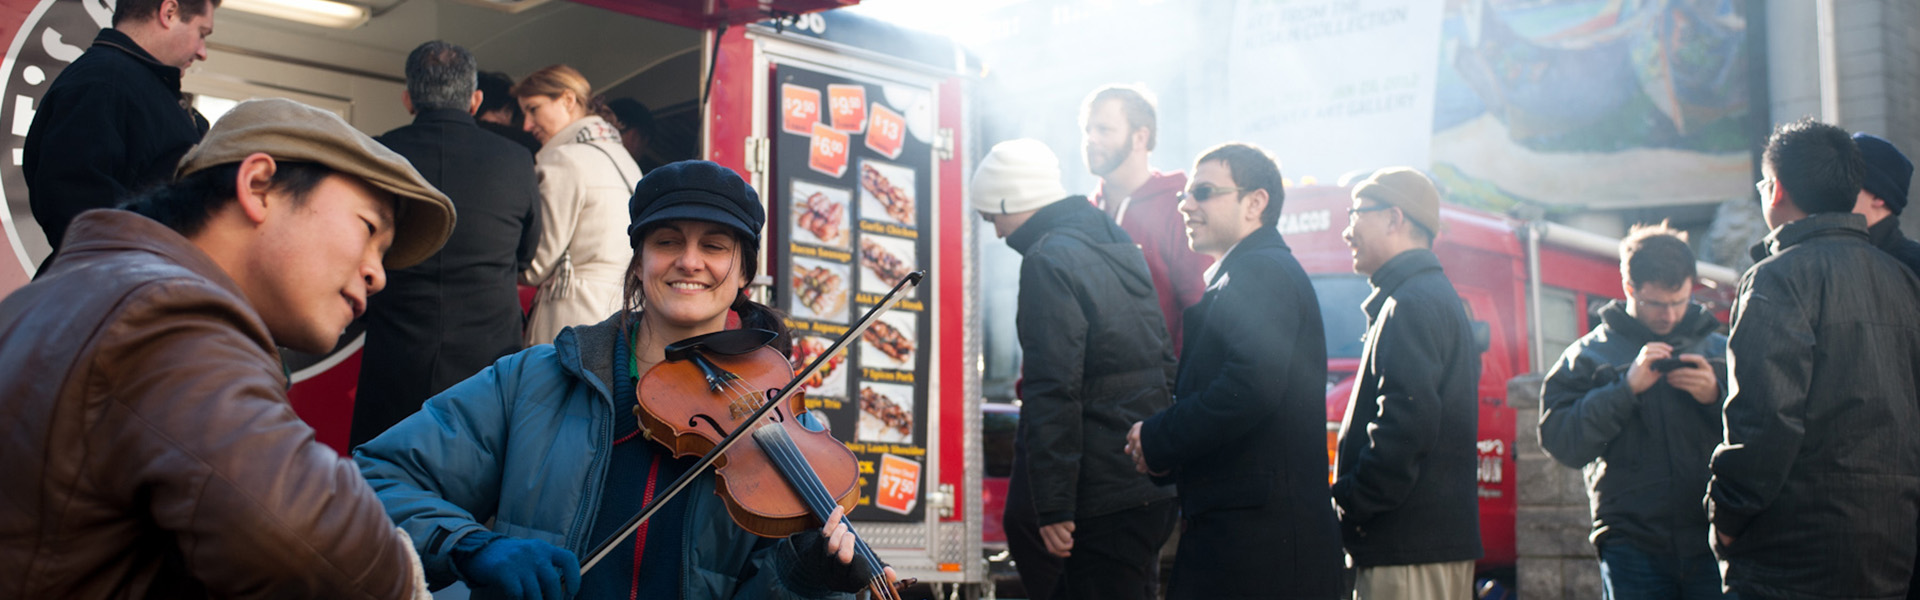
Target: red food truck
x,y
852,130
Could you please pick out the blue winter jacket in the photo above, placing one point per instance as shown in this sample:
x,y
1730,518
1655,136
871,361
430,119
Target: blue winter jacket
x,y
525,444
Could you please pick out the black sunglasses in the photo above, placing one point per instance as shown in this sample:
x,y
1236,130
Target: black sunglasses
x,y
1204,192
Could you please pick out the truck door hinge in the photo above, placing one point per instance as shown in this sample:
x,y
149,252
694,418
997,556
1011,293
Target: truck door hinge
x,y
943,143
759,151
942,500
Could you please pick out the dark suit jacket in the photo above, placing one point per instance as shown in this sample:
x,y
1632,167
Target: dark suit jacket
x,y
1245,437
443,320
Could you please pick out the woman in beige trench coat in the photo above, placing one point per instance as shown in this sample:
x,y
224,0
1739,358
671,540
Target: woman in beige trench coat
x,y
586,177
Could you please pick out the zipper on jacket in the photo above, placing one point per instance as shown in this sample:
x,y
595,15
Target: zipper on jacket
x,y
598,467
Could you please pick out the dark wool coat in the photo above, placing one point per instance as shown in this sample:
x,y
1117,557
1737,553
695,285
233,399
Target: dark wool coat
x,y
441,321
1886,236
1818,479
1245,438
111,125
1407,471
1096,361
1644,455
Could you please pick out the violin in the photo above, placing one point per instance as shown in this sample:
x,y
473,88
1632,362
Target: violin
x,y
713,389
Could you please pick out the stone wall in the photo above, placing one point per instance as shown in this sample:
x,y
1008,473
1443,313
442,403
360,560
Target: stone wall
x,y
1550,531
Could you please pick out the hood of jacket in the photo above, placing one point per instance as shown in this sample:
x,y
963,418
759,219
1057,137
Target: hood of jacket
x,y
1695,326
1158,184
586,352
1075,216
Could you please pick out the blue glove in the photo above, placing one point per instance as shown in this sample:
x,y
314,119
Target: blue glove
x,y
519,568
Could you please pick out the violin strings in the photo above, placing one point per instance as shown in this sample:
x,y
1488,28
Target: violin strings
x,y
779,447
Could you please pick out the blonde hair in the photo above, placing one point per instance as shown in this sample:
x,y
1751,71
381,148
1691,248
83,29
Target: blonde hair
x,y
561,79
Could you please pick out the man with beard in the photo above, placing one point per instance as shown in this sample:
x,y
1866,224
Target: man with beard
x,y
1637,404
1119,130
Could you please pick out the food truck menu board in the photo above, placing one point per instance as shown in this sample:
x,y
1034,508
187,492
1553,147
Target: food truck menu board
x,y
853,202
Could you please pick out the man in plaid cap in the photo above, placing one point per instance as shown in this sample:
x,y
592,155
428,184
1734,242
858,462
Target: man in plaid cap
x,y
151,447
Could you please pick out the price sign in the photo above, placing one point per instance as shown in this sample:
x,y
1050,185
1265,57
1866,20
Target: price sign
x,y
849,106
887,131
799,109
899,487
828,150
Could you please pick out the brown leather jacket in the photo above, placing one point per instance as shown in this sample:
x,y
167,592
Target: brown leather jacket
x,y
147,445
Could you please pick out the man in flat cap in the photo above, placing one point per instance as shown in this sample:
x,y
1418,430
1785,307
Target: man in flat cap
x,y
151,448
1406,474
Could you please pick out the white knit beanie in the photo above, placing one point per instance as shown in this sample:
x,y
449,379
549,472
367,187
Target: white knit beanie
x,y
1017,176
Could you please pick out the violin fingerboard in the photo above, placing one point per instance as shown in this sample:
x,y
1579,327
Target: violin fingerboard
x,y
794,468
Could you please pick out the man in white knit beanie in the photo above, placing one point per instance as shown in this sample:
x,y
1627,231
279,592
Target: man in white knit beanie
x,y
1097,359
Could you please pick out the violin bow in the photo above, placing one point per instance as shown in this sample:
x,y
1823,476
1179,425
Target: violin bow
x,y
894,296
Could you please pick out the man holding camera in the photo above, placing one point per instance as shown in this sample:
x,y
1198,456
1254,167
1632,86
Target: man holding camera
x,y
1636,403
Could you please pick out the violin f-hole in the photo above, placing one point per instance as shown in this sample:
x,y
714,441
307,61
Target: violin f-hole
x,y
695,423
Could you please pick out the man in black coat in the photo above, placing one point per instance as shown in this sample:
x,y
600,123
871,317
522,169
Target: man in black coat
x,y
450,316
113,123
1096,360
1244,439
1816,485
1642,425
1407,471
1883,196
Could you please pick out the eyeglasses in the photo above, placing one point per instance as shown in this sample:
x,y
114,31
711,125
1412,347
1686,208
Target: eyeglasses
x,y
1351,212
1662,305
987,216
1765,187
1204,192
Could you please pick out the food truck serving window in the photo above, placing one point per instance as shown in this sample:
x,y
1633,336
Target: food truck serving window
x,y
707,14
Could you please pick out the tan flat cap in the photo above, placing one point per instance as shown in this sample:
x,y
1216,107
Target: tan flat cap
x,y
294,132
1407,189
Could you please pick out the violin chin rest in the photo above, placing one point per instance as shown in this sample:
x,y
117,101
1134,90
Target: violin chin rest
x,y
732,342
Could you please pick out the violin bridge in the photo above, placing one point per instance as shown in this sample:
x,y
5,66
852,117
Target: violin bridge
x,y
743,405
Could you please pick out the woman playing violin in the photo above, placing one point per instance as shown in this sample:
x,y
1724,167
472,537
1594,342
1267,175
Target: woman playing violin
x,y
505,479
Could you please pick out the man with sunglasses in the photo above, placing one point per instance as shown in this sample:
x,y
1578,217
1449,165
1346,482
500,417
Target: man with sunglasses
x,y
1406,476
1816,483
1637,404
1096,359
1244,437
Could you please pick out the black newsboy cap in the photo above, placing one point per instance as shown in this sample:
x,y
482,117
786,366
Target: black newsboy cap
x,y
698,190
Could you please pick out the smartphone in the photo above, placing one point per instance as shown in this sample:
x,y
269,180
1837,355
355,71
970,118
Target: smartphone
x,y
1665,365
